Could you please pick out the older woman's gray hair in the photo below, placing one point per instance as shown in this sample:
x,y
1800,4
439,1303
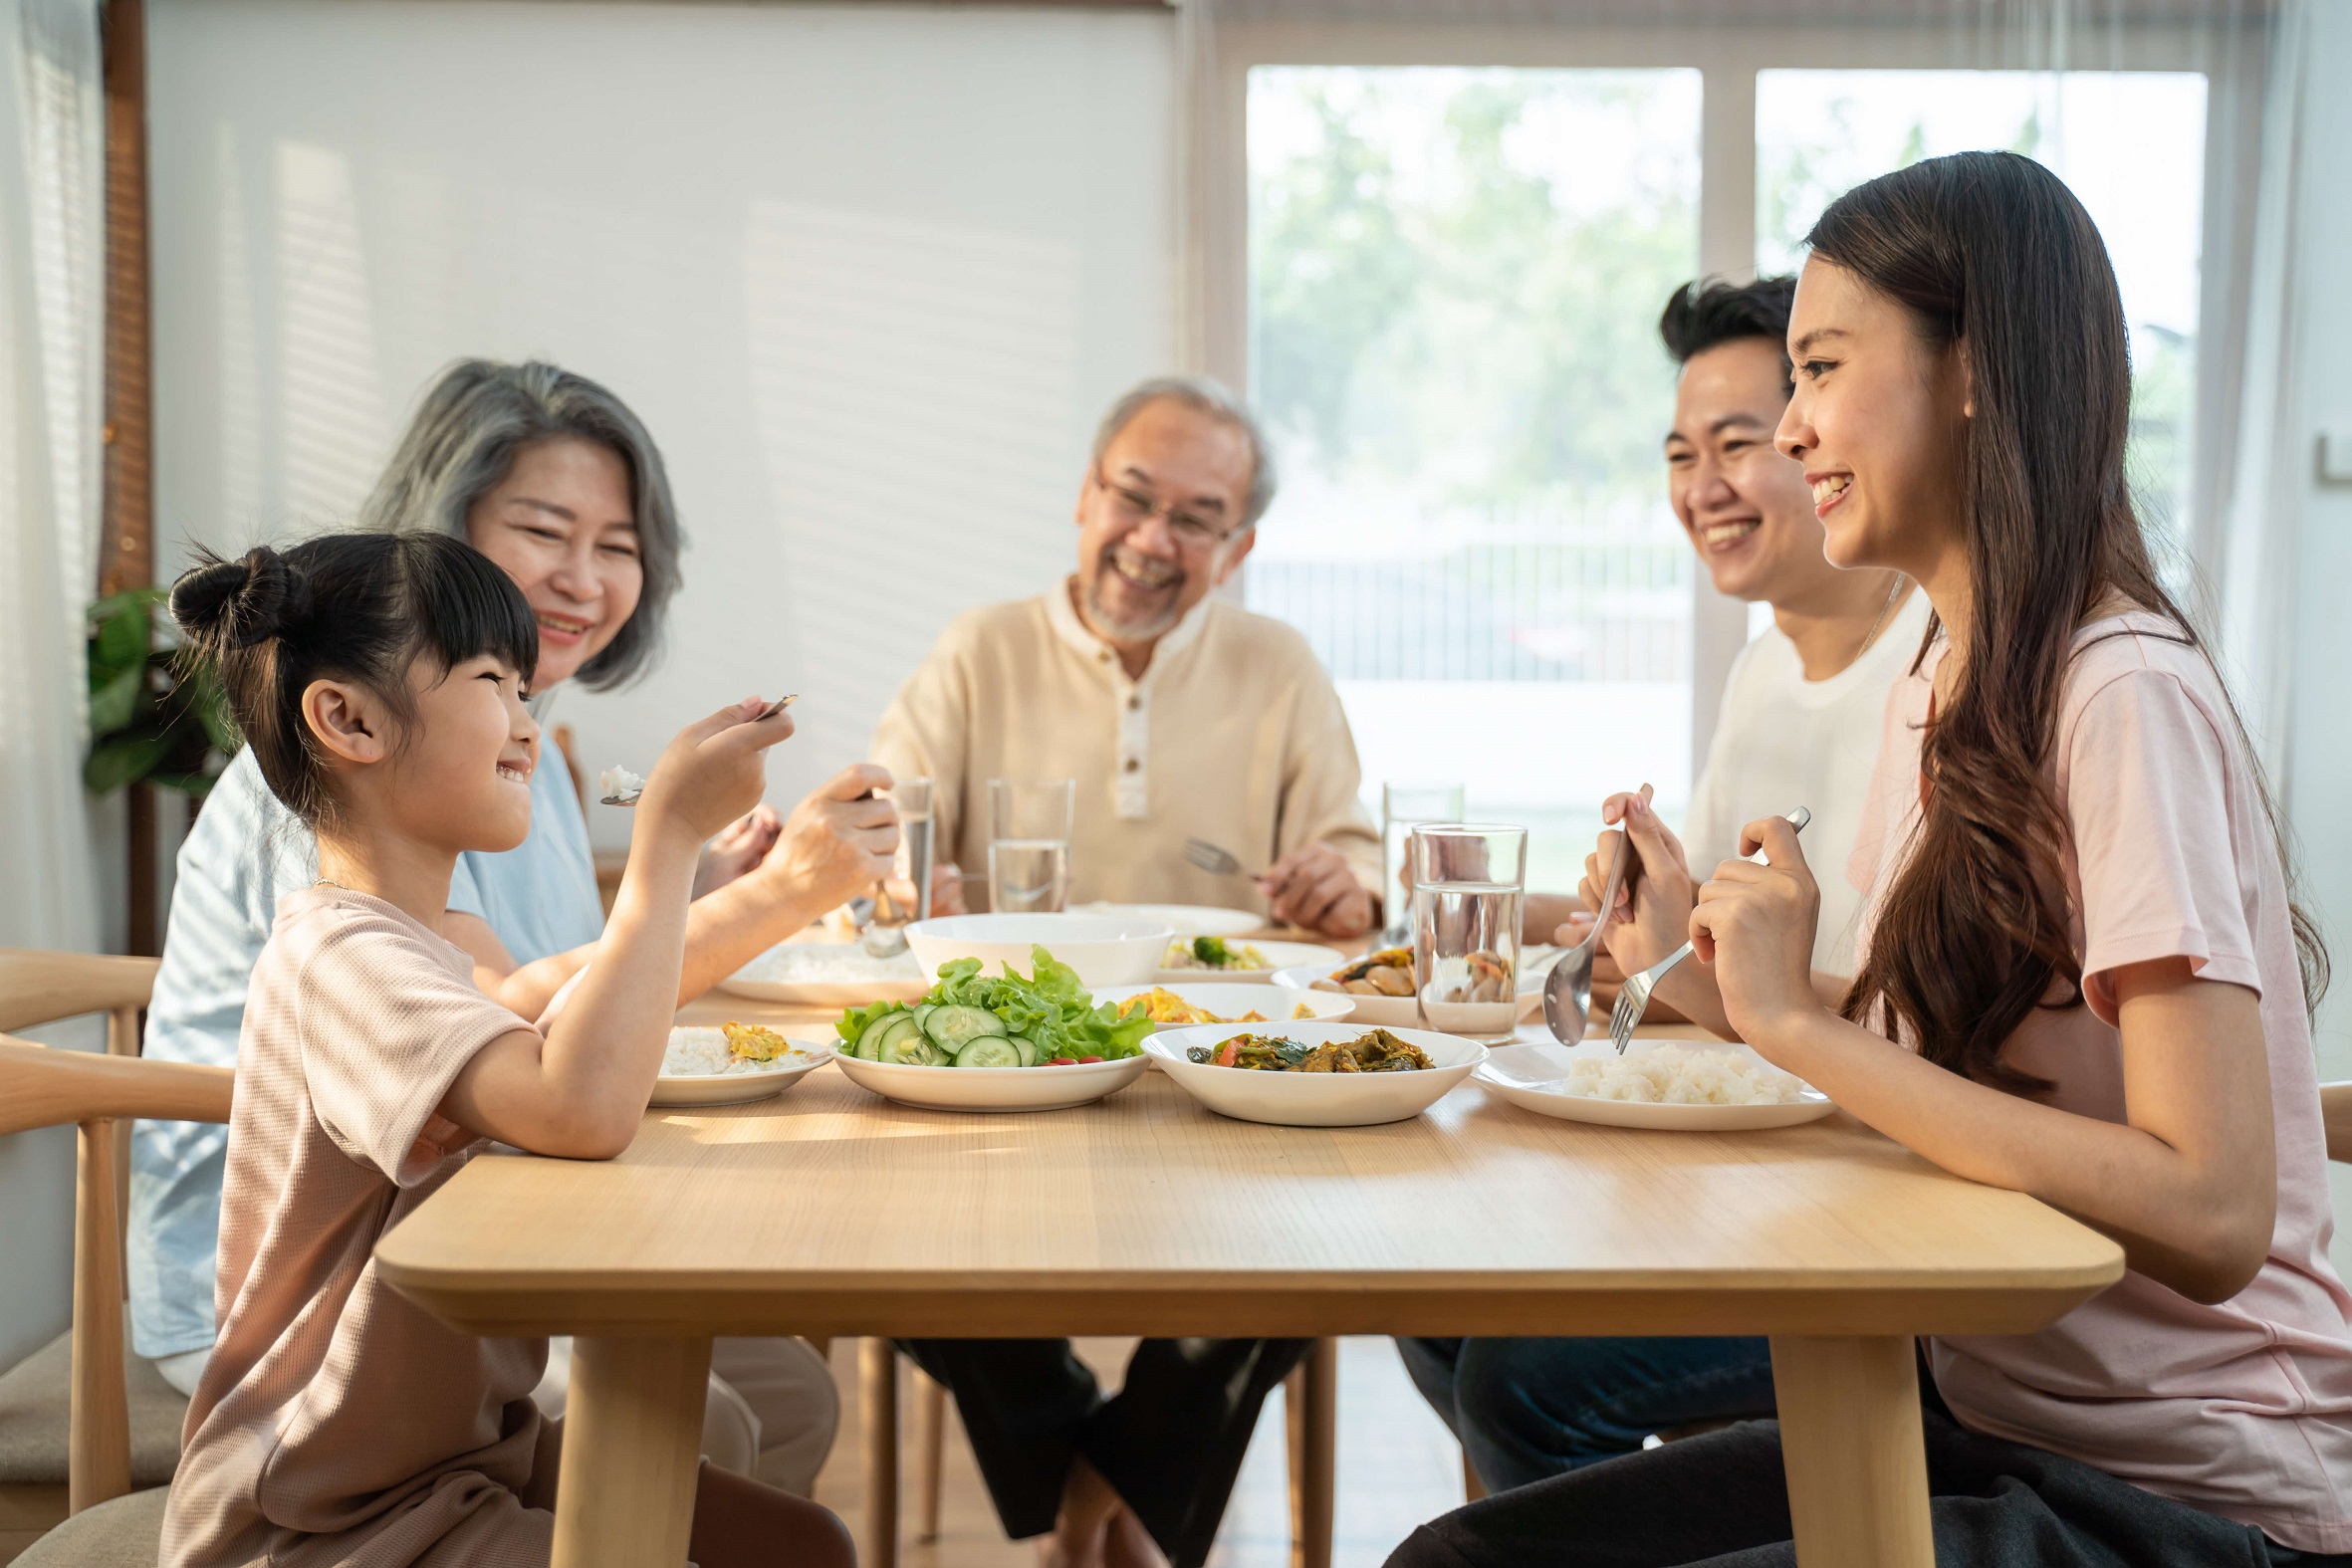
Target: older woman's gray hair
x,y
1209,396
473,423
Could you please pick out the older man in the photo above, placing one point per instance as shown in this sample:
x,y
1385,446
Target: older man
x,y
1180,716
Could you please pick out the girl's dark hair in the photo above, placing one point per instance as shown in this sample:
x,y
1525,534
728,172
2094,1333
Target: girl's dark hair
x,y
1991,253
1709,311
476,419
342,606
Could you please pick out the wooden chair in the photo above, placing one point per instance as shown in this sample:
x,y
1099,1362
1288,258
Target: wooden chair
x,y
71,1451
1311,1407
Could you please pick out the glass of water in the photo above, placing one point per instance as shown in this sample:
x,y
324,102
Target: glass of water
x,y
1404,807
1029,822
912,800
1468,883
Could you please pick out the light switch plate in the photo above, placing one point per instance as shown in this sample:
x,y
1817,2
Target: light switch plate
x,y
2335,457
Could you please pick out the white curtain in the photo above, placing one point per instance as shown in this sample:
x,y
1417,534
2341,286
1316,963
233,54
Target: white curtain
x,y
52,290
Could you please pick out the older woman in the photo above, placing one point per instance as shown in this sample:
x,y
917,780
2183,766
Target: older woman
x,y
552,478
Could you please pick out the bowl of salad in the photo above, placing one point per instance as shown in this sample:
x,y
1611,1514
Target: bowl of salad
x,y
1228,959
1006,1042
1104,949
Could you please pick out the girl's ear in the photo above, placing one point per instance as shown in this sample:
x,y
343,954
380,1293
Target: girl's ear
x,y
1967,380
348,720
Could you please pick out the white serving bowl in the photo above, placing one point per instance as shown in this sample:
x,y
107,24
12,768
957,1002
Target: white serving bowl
x,y
735,1088
1395,1012
1314,1099
1230,1001
1278,955
994,1088
1529,1076
1186,919
1106,950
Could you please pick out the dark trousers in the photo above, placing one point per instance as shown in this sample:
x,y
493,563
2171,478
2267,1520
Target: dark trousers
x,y
1170,1442
1722,1501
1529,1408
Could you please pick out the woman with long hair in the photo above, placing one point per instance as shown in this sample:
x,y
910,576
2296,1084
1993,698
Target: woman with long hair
x,y
2081,974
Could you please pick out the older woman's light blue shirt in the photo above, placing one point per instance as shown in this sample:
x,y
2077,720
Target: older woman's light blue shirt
x,y
242,852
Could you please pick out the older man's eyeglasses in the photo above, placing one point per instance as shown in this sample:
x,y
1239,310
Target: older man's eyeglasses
x,y
1135,507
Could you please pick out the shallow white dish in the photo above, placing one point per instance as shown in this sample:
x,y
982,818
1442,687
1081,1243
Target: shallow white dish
x,y
994,1088
1106,950
1528,1075
1314,1099
1186,919
1231,1001
761,978
735,1088
1278,956
1393,1012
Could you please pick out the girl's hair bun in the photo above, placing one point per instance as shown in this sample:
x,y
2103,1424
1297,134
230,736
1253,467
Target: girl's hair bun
x,y
225,605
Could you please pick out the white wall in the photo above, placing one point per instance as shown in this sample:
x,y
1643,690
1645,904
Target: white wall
x,y
867,273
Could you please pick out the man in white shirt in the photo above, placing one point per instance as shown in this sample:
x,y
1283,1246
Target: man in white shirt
x,y
1799,726
1179,715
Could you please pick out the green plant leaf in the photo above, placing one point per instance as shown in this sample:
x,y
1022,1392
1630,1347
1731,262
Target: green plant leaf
x,y
123,635
123,760
112,705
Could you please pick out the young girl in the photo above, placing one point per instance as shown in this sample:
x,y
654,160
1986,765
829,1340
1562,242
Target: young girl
x,y
378,680
2080,974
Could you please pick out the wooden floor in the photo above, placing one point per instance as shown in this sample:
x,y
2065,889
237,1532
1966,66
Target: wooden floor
x,y
1398,1466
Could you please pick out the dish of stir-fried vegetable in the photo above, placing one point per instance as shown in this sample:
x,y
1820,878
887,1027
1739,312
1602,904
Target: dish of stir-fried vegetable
x,y
1376,1051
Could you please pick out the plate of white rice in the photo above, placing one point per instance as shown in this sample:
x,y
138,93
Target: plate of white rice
x,y
827,975
700,1067
1690,1086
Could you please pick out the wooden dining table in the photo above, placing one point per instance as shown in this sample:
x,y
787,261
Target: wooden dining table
x,y
830,1211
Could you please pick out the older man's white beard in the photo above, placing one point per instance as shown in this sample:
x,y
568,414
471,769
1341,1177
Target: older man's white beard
x,y
1126,629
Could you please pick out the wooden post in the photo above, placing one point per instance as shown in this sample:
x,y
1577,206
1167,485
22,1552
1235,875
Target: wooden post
x,y
877,1415
624,1488
98,1455
127,533
1850,1438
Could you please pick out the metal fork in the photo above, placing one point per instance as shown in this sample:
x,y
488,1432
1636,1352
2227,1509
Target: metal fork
x,y
1213,859
1633,1000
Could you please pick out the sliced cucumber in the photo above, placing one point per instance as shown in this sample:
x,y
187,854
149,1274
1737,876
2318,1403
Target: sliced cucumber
x,y
990,1050
925,1010
953,1028
911,1049
871,1035
1029,1048
902,1028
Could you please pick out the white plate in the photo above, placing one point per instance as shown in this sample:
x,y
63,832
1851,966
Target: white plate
x,y
1314,1099
1278,955
1527,1075
1104,949
1232,1000
735,1088
746,982
1393,1012
994,1088
1186,919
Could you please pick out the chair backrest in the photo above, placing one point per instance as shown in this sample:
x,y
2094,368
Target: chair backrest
x,y
2335,1115
40,1088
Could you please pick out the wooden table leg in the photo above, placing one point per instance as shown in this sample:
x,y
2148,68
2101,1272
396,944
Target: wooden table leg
x,y
878,1414
1857,1464
1316,1451
632,1444
931,1402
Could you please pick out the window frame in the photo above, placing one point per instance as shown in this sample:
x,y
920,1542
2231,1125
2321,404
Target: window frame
x,y
2231,51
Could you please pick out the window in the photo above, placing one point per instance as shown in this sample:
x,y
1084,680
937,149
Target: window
x,y
1455,276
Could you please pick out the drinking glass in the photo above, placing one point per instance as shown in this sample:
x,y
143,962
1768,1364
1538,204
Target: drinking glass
x,y
1402,808
912,800
1468,883
1029,822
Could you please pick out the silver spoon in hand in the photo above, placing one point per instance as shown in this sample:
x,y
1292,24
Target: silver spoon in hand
x,y
1568,990
623,787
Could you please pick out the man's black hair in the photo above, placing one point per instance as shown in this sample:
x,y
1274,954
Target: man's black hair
x,y
1705,312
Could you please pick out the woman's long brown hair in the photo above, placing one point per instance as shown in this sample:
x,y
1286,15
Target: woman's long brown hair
x,y
1992,255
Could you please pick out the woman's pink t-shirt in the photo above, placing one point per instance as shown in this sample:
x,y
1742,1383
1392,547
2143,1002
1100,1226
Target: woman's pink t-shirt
x,y
2243,1409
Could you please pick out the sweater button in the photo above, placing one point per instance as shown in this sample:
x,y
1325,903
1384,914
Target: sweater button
x,y
1131,765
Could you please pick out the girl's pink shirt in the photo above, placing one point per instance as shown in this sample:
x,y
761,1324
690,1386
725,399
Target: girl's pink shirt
x,y
2243,1409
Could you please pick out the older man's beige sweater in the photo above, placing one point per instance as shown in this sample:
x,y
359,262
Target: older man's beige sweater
x,y
1233,735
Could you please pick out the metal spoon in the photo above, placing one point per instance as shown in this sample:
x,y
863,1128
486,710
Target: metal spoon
x,y
884,933
629,794
1568,990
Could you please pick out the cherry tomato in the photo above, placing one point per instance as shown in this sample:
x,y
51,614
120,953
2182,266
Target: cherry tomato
x,y
1226,1054
1063,1062
1089,1059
